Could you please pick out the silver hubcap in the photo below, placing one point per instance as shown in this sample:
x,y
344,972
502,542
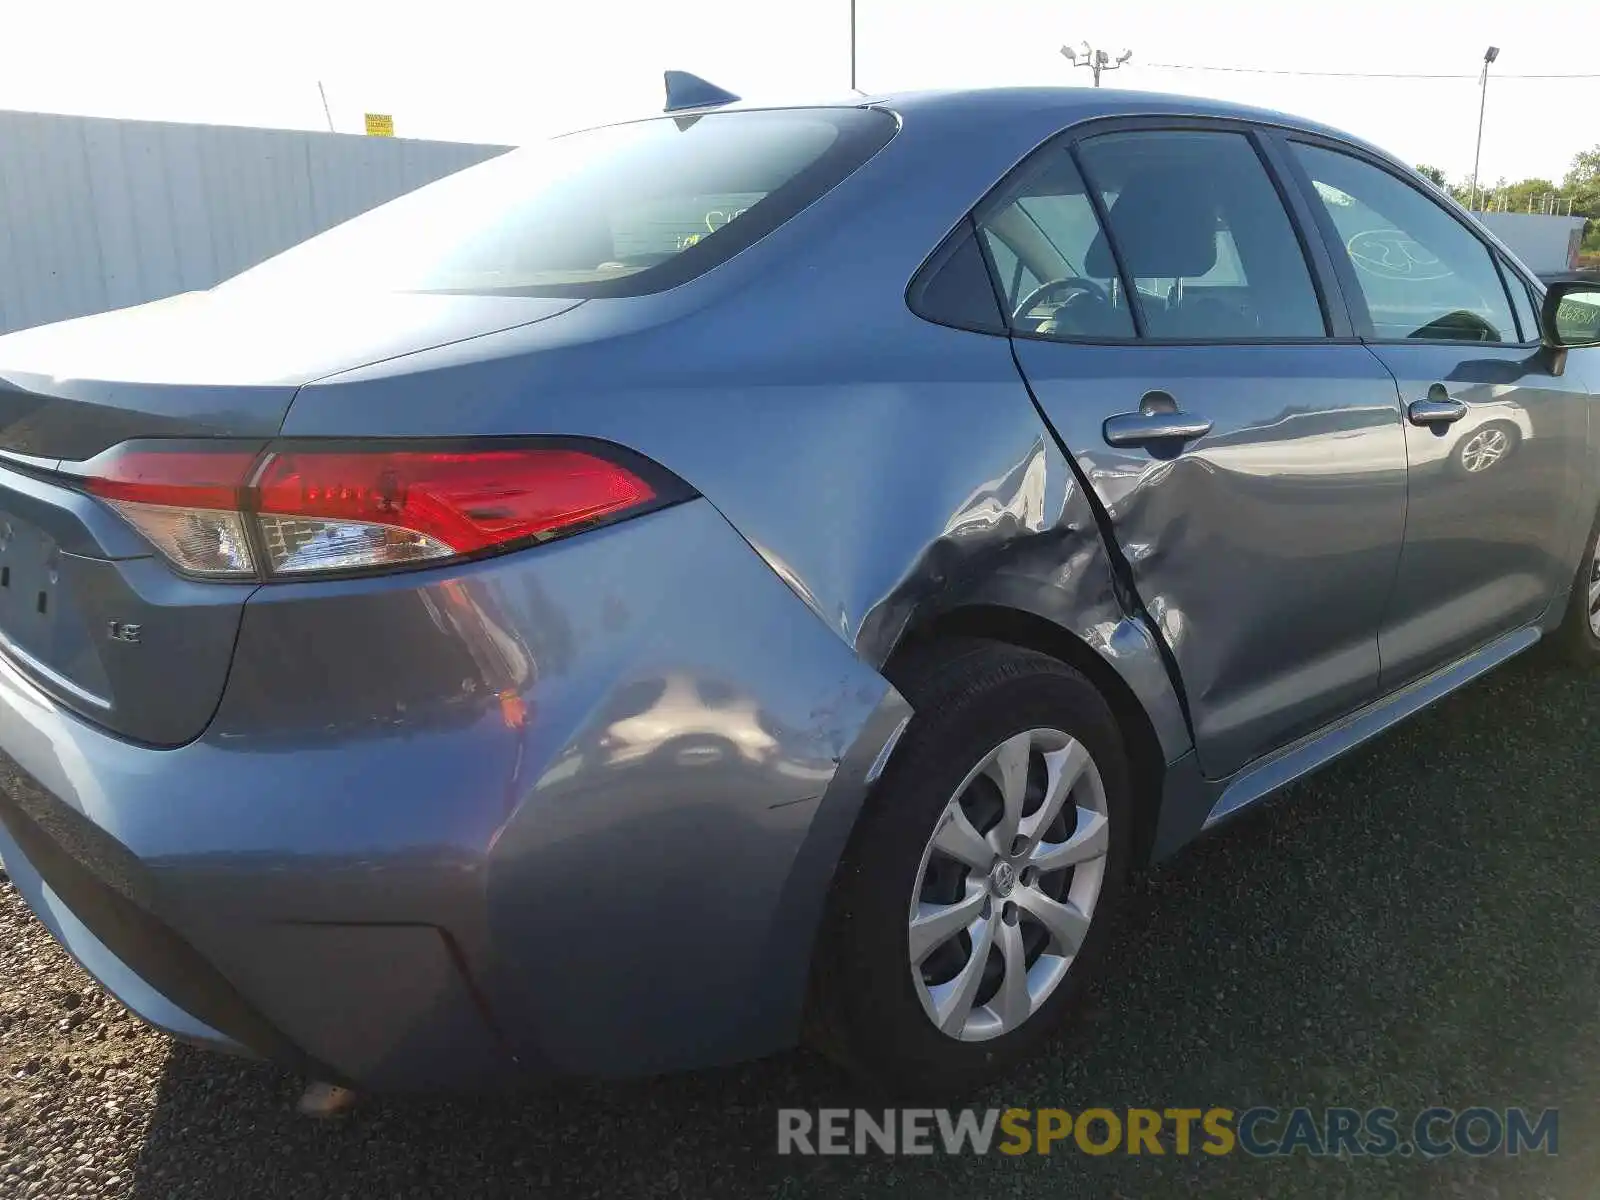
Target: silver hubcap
x,y
1008,885
1484,449
1594,588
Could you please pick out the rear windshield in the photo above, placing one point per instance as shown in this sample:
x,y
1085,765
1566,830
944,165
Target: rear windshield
x,y
617,211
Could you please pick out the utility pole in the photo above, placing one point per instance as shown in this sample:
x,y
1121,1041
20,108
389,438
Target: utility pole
x,y
1489,55
1097,61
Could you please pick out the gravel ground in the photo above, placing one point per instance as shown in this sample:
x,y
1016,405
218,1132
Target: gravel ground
x,y
1420,924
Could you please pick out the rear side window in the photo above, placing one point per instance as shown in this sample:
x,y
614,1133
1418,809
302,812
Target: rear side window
x,y
1421,273
1201,230
618,211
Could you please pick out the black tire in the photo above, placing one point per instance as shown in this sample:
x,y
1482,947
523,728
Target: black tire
x,y
1574,640
968,697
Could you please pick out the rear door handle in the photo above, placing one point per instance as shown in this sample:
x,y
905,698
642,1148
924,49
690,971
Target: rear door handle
x,y
1158,420
1440,408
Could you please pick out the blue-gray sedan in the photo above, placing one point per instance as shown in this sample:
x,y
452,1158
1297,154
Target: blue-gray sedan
x,y
757,574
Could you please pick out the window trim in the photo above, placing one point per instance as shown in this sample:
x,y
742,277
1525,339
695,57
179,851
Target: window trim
x,y
1355,298
1325,282
1536,293
1531,284
1509,279
1102,218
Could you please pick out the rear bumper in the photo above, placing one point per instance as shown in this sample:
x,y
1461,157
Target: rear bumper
x,y
572,811
58,886
374,1005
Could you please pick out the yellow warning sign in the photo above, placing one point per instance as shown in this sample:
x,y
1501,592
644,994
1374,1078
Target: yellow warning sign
x,y
380,125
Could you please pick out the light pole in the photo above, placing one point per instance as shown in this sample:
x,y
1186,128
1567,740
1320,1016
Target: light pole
x,y
1489,55
1095,60
853,87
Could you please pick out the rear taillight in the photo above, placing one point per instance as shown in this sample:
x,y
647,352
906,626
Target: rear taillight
x,y
301,510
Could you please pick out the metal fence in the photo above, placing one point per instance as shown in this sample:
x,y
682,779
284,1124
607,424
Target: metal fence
x,y
98,214
1545,243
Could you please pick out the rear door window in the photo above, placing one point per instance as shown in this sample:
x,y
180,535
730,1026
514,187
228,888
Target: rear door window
x,y
1015,278
1201,230
1039,237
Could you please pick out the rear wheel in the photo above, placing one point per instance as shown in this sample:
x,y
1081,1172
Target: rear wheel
x,y
1577,639
972,902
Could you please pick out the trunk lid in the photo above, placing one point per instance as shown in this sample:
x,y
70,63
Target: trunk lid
x,y
88,611
224,363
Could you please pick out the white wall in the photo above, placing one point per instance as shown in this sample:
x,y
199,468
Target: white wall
x,y
98,214
1543,243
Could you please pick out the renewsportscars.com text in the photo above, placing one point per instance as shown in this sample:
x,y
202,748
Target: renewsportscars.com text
x,y
1257,1131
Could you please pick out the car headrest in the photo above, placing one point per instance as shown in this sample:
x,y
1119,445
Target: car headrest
x,y
1164,229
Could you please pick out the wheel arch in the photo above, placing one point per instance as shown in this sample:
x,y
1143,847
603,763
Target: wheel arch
x,y
1147,761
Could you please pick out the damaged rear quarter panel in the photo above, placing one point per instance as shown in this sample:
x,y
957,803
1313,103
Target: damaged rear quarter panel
x,y
887,469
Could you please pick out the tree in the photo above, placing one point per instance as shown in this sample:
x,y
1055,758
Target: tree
x,y
1460,192
1529,195
1582,184
1585,171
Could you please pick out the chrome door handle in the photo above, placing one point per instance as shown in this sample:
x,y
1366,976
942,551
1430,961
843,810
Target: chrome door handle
x,y
1141,428
1440,408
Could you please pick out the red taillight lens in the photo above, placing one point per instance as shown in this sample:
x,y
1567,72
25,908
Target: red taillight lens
x,y
467,501
315,510
180,478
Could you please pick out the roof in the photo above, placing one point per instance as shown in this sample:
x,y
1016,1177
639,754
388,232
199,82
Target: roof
x,y
1061,105
1082,103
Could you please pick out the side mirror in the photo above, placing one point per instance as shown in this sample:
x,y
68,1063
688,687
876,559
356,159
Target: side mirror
x,y
1571,314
